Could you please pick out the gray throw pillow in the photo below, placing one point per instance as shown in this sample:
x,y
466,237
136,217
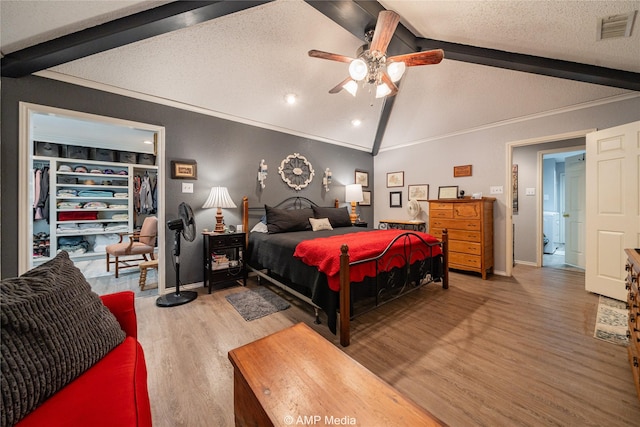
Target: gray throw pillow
x,y
338,217
53,329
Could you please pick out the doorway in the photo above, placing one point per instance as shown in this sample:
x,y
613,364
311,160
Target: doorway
x,y
563,206
83,167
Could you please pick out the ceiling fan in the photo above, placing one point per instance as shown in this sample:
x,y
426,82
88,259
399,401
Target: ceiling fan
x,y
372,66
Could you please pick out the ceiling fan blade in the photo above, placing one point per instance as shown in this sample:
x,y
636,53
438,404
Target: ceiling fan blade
x,y
419,58
340,85
386,79
331,56
385,27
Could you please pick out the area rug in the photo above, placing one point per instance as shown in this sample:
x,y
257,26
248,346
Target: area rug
x,y
253,304
612,321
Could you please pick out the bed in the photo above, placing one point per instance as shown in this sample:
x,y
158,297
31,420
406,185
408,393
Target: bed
x,y
336,267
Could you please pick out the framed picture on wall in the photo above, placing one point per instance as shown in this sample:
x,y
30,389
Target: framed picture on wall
x,y
366,198
395,199
420,192
362,178
395,179
184,169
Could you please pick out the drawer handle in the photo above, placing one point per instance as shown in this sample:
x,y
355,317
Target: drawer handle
x,y
627,267
632,318
635,361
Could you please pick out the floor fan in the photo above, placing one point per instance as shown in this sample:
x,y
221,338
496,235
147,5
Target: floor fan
x,y
184,226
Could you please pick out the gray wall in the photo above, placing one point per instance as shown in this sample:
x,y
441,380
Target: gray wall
x,y
432,162
228,153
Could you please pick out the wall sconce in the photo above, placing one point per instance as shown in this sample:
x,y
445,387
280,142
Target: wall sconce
x,y
326,180
262,173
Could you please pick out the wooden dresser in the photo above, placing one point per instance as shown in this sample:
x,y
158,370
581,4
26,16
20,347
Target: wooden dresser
x,y
633,300
470,226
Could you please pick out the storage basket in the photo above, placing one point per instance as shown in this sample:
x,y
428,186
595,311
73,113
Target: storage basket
x,y
102,154
47,149
146,159
67,180
126,157
77,152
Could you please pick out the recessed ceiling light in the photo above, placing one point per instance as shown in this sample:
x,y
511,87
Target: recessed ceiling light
x,y
148,142
356,122
291,98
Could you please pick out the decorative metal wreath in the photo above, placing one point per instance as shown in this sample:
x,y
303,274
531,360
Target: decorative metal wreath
x,y
296,171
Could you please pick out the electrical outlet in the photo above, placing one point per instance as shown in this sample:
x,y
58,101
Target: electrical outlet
x,y
496,189
187,187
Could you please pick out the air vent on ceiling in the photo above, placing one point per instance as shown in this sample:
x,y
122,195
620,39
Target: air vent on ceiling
x,y
616,26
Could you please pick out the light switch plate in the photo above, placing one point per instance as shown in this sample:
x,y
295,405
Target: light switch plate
x,y
530,191
187,187
496,189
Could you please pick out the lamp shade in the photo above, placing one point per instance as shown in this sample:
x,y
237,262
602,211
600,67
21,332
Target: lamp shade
x,y
219,198
353,193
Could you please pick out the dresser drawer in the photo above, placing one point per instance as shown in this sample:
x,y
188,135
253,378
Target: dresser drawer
x,y
634,361
455,224
440,206
441,213
466,211
465,247
465,235
462,259
226,241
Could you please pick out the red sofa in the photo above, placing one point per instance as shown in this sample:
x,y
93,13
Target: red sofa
x,y
113,392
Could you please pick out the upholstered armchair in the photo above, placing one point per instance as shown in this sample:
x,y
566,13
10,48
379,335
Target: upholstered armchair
x,y
136,247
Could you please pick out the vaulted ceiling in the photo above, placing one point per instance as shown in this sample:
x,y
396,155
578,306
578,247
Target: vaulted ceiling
x,y
504,60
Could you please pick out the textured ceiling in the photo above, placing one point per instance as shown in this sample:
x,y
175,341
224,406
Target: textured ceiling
x,y
242,65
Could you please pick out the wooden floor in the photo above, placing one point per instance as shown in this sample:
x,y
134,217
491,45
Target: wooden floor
x,y
513,351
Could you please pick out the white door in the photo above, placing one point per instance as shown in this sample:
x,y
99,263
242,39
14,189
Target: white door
x,y
613,211
574,210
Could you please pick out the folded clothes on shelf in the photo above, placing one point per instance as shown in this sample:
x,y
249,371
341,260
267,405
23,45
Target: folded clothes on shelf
x,y
95,193
67,192
95,205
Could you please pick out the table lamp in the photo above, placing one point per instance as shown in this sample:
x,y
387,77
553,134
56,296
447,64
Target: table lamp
x,y
353,194
219,198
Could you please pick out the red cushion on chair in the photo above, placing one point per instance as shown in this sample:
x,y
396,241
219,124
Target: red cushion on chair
x,y
113,392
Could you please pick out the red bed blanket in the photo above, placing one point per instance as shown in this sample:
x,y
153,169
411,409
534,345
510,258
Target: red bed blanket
x,y
324,253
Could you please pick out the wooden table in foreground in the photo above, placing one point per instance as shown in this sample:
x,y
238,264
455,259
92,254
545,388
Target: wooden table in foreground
x,y
296,377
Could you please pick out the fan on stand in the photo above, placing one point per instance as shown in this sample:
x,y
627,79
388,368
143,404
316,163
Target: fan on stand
x,y
185,226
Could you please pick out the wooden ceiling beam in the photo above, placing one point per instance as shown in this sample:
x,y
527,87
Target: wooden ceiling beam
x,y
129,29
357,16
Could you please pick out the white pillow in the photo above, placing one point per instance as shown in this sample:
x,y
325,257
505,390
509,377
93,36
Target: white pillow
x,y
260,227
318,224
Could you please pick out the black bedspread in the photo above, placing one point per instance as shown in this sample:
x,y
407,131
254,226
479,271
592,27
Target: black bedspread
x,y
274,252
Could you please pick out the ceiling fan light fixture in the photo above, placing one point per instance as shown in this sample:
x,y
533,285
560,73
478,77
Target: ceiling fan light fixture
x,y
351,87
396,70
382,90
358,69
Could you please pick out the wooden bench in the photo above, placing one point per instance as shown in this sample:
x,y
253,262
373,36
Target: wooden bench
x,y
296,377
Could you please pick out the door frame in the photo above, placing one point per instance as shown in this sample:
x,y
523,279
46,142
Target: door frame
x,y
26,111
540,195
509,196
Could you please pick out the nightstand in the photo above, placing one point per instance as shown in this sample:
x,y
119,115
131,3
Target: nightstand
x,y
223,258
360,224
